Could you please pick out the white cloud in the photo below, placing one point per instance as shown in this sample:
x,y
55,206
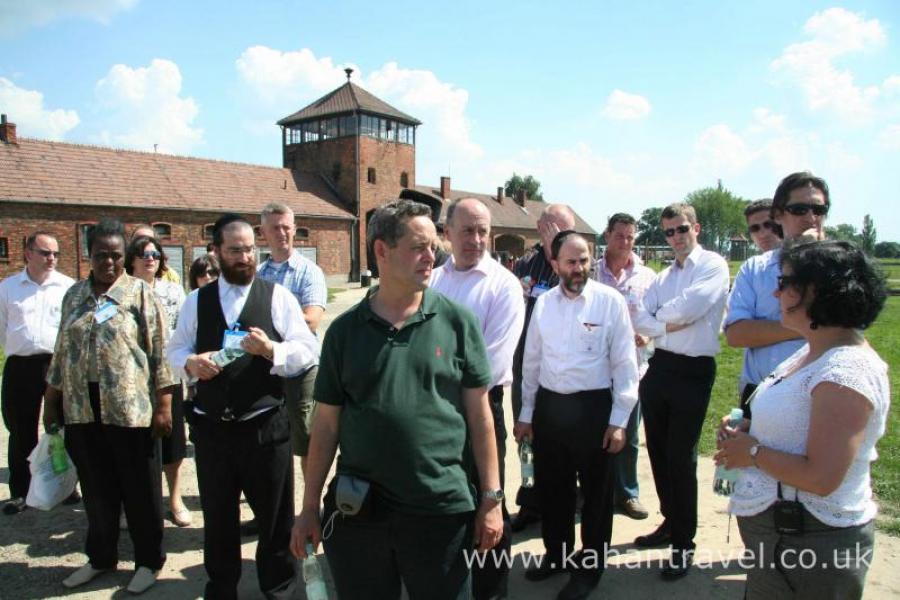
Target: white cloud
x,y
834,33
891,85
17,15
622,106
26,109
890,138
720,149
144,107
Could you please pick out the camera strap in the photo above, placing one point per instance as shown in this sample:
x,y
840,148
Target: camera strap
x,y
796,493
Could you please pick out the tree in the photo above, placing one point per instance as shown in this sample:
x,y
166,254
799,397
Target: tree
x,y
528,183
868,235
649,232
842,231
887,250
720,214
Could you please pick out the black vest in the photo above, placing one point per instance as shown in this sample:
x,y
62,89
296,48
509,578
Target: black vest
x,y
244,384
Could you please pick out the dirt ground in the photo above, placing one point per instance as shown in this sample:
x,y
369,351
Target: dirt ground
x,y
39,549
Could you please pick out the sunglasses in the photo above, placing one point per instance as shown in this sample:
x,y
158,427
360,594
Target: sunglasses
x,y
154,255
47,253
764,225
673,230
802,208
785,280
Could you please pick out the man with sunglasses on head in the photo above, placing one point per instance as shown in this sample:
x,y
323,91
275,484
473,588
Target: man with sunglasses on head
x,y
753,321
30,304
682,311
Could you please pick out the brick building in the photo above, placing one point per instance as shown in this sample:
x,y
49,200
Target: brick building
x,y
343,156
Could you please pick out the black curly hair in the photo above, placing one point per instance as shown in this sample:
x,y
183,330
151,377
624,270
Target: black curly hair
x,y
849,289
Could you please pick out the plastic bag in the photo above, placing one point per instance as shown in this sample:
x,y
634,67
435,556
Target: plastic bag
x,y
48,488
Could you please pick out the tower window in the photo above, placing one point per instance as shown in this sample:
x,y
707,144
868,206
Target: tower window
x,y
404,179
371,175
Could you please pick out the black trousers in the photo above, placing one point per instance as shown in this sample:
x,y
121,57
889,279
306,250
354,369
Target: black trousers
x,y
674,395
24,380
118,466
253,457
490,580
568,444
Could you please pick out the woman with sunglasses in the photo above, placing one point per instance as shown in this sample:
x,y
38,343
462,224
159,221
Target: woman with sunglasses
x,y
204,269
804,494
146,260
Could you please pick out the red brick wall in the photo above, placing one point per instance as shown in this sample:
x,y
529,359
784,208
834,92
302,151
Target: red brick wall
x,y
331,237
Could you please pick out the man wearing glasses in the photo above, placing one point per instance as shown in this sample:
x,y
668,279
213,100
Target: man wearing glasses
x,y
753,322
30,304
682,311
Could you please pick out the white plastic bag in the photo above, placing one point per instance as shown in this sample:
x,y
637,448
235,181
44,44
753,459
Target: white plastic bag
x,y
47,488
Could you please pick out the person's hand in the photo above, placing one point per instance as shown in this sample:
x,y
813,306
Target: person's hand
x,y
161,423
257,342
52,416
614,439
488,524
734,451
527,283
201,366
724,431
547,230
307,528
812,235
640,341
522,430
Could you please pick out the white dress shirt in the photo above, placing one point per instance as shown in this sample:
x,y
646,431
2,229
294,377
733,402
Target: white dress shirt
x,y
579,344
298,351
494,294
692,294
30,313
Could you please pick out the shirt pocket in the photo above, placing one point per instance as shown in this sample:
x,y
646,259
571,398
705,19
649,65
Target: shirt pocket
x,y
590,339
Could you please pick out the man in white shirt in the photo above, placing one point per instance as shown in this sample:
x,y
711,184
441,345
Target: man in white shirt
x,y
682,311
30,304
481,284
622,269
579,386
239,425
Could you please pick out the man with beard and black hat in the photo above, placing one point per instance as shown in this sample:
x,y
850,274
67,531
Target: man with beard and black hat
x,y
240,427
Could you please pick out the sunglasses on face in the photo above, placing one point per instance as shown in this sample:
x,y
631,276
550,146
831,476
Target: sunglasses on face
x,y
673,230
784,281
153,255
47,253
759,226
802,208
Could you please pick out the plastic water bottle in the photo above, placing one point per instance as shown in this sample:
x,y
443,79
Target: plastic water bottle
x,y
312,576
59,459
723,484
526,458
225,355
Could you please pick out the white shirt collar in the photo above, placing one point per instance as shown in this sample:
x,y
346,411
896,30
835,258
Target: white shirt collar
x,y
226,289
482,266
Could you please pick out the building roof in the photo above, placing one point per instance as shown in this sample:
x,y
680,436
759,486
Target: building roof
x,y
73,174
345,99
505,214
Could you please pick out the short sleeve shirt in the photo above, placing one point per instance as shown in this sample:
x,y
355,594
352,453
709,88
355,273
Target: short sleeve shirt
x,y
402,424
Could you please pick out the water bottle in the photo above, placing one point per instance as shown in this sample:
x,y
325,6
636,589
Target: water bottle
x,y
225,355
723,484
59,460
312,576
526,458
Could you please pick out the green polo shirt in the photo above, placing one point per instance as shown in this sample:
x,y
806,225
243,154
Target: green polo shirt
x,y
402,424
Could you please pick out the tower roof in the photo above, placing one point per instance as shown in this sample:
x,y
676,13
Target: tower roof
x,y
345,99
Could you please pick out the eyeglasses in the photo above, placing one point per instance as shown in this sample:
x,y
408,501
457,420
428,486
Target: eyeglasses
x,y
764,225
680,229
47,253
801,208
785,280
152,255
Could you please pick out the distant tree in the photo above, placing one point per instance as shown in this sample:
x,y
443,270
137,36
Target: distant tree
x,y
868,235
528,183
720,214
887,250
843,231
649,232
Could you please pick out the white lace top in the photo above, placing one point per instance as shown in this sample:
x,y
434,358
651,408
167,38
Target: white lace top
x,y
781,412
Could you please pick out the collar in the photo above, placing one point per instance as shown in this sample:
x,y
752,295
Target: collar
x,y
773,257
116,292
482,266
426,309
226,288
692,257
633,261
54,278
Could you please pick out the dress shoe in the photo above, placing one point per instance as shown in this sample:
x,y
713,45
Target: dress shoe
x,y
679,564
181,518
634,509
580,585
250,528
523,519
143,579
660,537
14,506
82,575
547,569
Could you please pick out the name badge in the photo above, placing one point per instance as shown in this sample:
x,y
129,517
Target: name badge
x,y
539,288
105,312
233,338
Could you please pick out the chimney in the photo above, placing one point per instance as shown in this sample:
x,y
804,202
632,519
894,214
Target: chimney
x,y
7,131
520,198
500,195
445,188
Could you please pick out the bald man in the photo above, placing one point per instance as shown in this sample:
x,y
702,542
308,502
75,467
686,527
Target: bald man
x,y
481,284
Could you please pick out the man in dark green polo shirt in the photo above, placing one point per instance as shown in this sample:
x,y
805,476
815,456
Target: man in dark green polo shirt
x,y
402,391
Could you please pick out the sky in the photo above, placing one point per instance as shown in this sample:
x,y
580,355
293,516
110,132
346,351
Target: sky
x,y
612,106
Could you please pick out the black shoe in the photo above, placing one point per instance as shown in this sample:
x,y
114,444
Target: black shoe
x,y
679,564
14,506
523,519
250,528
580,585
547,569
74,498
660,537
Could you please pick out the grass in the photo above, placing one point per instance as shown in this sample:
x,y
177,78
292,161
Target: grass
x,y
332,292
885,338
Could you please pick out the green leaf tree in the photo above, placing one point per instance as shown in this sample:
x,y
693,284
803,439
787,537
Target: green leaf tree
x,y
843,231
648,229
720,214
887,250
868,235
528,183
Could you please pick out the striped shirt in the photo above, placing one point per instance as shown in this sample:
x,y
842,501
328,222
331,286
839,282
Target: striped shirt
x,y
301,276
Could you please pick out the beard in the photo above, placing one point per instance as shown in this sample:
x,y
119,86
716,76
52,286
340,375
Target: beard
x,y
575,284
238,274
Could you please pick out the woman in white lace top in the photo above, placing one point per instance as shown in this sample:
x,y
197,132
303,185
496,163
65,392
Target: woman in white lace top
x,y
804,496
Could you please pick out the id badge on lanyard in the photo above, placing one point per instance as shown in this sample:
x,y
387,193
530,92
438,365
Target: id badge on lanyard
x,y
104,312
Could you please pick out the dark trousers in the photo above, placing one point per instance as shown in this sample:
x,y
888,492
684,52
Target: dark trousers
x,y
568,443
490,580
253,457
24,380
370,557
527,498
118,466
625,462
745,395
674,397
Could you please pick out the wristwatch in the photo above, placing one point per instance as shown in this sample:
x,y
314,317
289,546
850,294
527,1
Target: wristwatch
x,y
754,450
496,495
